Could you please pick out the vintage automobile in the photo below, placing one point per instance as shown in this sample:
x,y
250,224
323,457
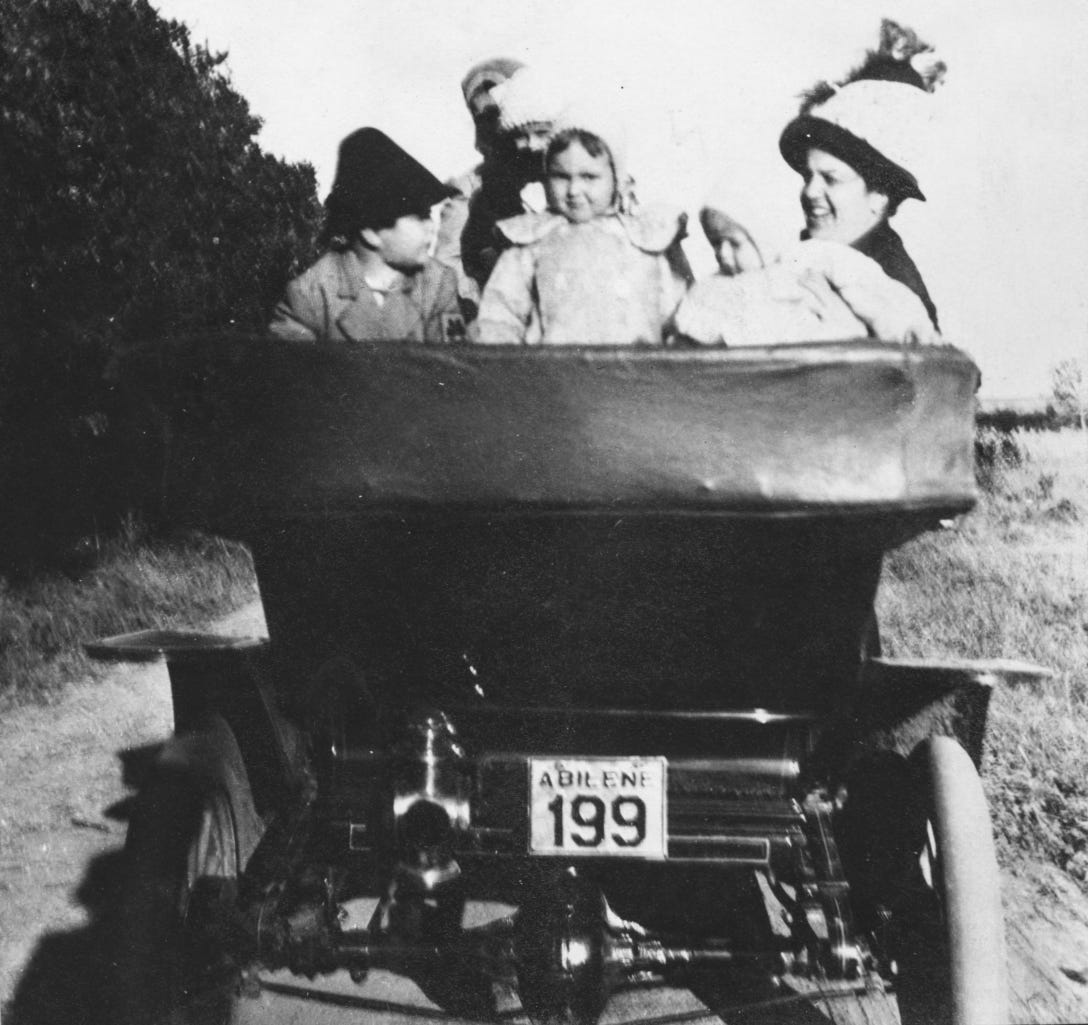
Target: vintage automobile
x,y
588,632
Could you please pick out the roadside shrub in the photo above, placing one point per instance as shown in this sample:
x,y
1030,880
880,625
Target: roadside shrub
x,y
1063,511
137,201
137,207
996,452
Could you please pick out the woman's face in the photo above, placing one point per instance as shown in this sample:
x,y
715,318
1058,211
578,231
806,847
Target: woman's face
x,y
837,204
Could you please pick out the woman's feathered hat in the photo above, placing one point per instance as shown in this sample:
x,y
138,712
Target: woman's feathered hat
x,y
876,118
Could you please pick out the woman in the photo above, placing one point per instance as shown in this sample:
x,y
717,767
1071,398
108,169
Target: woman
x,y
857,147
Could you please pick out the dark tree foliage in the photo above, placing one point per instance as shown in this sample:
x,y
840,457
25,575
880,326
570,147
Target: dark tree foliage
x,y
136,199
137,206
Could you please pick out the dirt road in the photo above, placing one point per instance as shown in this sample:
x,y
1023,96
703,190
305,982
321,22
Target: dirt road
x,y
59,846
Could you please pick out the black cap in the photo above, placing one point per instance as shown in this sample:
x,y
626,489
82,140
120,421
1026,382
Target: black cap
x,y
377,182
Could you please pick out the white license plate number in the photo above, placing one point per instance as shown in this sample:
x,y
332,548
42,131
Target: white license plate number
x,y
594,807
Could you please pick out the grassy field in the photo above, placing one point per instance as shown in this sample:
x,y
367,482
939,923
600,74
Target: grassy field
x,y
182,582
1011,580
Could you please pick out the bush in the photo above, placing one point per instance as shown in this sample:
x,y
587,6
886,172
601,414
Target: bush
x,y
138,206
137,200
996,452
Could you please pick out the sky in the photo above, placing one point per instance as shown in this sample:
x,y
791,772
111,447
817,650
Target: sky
x,y
1002,240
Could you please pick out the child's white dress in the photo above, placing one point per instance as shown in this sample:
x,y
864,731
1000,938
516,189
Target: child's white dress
x,y
614,280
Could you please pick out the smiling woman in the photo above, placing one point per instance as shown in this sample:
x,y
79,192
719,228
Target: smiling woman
x,y
857,146
838,203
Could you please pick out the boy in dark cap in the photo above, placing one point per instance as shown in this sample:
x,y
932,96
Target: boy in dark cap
x,y
377,281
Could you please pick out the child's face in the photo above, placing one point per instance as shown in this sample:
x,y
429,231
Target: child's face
x,y
407,244
579,186
737,253
532,138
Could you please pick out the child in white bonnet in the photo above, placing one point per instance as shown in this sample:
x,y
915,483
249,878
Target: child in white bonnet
x,y
592,269
812,291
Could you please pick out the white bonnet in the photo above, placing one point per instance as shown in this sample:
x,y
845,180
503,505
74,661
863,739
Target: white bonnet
x,y
528,98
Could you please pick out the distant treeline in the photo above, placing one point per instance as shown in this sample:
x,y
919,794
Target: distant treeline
x,y
138,207
1009,420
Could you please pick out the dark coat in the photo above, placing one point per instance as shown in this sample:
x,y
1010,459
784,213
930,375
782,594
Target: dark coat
x,y
885,246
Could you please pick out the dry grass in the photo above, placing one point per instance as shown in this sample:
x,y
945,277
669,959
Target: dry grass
x,y
182,582
1011,580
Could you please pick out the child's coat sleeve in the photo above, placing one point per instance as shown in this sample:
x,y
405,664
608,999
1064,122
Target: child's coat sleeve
x,y
507,307
302,315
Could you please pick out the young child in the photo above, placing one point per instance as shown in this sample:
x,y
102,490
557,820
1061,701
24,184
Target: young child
x,y
588,270
377,281
520,122
813,291
478,88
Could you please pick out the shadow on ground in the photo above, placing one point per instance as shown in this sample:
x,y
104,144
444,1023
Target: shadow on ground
x,y
67,978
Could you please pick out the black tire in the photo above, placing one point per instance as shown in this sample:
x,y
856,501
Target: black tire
x,y
181,880
950,938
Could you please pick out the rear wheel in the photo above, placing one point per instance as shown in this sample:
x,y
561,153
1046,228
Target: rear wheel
x,y
182,870
918,849
950,936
